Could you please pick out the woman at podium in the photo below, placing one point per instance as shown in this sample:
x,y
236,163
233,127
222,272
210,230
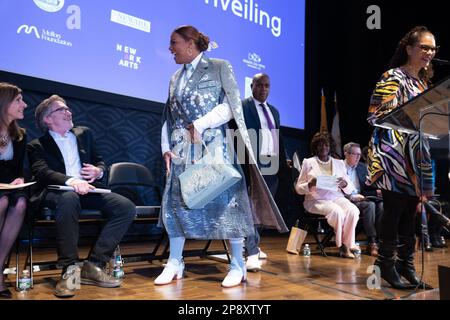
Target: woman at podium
x,y
394,157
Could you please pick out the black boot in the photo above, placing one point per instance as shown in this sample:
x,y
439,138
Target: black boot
x,y
436,215
386,262
405,262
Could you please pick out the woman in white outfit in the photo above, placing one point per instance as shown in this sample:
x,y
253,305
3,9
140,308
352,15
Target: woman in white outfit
x,y
330,201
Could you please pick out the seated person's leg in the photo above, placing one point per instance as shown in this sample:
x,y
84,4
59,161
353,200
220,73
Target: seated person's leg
x,y
67,210
351,217
119,213
66,205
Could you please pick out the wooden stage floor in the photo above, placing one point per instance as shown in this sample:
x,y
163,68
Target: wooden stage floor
x,y
284,277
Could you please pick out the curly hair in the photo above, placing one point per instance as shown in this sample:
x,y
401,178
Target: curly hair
x,y
400,56
321,137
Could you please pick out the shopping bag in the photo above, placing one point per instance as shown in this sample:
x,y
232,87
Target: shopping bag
x,y
296,239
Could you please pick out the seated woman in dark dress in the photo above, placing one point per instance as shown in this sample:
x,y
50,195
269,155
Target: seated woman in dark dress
x,y
13,202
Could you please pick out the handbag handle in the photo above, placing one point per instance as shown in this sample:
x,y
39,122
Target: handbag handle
x,y
188,158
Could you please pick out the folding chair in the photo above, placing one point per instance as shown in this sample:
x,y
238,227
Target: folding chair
x,y
317,225
126,179
46,218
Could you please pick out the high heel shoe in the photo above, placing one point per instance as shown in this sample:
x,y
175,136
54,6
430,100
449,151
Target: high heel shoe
x,y
173,270
344,252
235,277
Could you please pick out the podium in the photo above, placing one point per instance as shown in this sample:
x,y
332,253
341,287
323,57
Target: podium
x,y
426,115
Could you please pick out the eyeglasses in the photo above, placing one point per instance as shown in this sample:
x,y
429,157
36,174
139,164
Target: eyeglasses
x,y
61,109
426,48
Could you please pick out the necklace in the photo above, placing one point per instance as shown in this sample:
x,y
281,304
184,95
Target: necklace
x,y
323,162
4,139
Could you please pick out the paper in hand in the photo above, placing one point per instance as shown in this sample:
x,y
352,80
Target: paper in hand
x,y
69,188
327,183
8,186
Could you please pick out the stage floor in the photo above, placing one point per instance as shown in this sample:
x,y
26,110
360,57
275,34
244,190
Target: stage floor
x,y
284,277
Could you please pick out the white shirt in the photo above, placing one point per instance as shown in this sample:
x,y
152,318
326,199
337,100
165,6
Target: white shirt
x,y
267,146
351,172
219,115
68,146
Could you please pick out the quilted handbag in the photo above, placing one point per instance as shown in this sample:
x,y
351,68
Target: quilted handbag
x,y
204,180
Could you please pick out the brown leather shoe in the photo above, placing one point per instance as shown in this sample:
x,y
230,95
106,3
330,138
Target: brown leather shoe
x,y
94,275
372,249
68,283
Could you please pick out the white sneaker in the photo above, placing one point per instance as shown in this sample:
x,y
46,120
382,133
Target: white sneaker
x,y
262,255
234,277
253,263
172,271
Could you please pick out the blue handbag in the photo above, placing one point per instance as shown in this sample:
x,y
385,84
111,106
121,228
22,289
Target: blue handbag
x,y
204,180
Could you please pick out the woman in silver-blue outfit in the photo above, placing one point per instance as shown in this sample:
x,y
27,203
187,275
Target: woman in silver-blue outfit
x,y
203,97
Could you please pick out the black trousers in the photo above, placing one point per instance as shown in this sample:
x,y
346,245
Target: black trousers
x,y
370,212
117,211
252,242
399,216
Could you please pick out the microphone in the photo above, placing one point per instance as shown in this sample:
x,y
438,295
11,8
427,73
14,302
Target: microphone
x,y
441,62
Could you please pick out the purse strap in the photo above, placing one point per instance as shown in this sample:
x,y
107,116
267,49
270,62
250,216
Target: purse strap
x,y
188,156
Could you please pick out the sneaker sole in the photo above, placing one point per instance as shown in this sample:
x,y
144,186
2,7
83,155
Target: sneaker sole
x,y
58,295
242,281
99,284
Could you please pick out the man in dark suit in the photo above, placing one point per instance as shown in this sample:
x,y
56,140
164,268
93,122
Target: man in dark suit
x,y
365,197
263,123
66,155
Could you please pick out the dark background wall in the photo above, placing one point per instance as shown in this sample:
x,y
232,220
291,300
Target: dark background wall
x,y
342,54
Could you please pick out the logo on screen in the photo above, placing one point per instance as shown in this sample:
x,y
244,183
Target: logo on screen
x,y
50,5
130,21
45,34
253,61
254,57
129,58
28,29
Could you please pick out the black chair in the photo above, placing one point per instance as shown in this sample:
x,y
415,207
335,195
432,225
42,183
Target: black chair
x,y
133,180
124,178
45,218
317,225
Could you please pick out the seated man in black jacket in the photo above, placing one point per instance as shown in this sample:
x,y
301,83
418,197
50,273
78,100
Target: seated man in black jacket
x,y
67,155
365,197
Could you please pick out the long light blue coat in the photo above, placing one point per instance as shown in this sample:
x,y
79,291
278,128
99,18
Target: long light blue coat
x,y
232,214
